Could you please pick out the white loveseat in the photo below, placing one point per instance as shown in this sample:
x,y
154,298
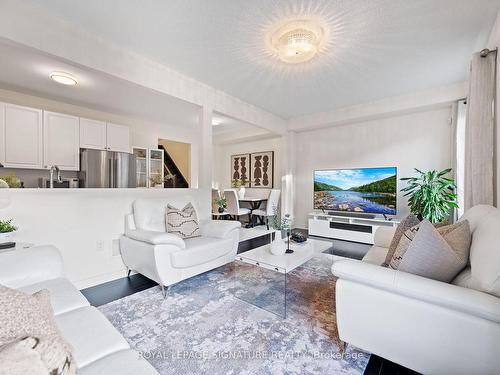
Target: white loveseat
x,y
98,348
429,326
148,249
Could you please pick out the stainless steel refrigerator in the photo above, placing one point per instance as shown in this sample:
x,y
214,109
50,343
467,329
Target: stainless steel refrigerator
x,y
107,169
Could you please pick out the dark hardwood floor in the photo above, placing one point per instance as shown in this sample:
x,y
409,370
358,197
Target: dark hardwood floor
x,y
104,293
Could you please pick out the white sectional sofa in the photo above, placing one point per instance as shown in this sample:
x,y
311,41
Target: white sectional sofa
x,y
426,325
98,348
148,249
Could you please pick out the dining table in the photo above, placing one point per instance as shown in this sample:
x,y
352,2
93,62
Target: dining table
x,y
255,204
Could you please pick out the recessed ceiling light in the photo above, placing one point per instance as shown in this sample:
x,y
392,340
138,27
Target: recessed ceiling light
x,y
297,41
216,122
63,78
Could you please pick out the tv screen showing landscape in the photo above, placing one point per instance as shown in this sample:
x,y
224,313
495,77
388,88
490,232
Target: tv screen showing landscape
x,y
364,190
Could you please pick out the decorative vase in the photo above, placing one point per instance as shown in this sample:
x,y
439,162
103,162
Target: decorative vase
x,y
6,237
241,192
221,209
278,247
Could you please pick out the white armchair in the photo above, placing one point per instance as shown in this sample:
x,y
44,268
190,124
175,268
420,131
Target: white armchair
x,y
148,249
426,325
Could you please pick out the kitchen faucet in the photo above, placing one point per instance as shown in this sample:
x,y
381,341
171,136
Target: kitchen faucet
x,y
51,175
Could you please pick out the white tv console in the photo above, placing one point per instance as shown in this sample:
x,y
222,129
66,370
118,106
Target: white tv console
x,y
347,228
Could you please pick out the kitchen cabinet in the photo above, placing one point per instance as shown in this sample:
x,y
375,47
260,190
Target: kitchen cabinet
x,y
61,141
156,168
21,136
141,169
100,135
118,137
92,134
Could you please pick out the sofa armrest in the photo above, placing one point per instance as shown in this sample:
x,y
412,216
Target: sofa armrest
x,y
449,296
156,238
383,236
218,228
19,268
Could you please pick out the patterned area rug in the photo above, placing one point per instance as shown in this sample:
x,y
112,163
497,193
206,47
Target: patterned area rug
x,y
203,328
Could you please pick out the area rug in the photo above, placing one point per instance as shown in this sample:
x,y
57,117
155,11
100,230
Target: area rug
x,y
202,327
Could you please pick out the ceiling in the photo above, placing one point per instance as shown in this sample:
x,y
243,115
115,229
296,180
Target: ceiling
x,y
376,48
228,130
27,70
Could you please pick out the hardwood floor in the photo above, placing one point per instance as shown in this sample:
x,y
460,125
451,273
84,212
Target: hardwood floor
x,y
104,293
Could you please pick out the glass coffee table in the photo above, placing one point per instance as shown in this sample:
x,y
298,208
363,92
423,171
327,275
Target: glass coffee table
x,y
260,278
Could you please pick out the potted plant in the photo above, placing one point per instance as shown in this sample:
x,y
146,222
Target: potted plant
x,y
278,247
431,195
239,184
221,203
7,230
11,180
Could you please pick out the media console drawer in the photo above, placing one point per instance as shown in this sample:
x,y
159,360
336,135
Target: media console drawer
x,y
351,227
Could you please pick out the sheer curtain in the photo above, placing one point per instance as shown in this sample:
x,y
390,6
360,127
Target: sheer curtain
x,y
459,154
480,131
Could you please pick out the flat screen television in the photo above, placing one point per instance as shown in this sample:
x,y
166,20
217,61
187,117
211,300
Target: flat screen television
x,y
362,190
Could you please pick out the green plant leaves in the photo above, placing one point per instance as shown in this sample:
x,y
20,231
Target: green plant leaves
x,y
431,194
6,226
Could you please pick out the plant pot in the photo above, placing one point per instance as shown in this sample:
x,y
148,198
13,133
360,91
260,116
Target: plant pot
x,y
6,237
278,247
241,192
221,209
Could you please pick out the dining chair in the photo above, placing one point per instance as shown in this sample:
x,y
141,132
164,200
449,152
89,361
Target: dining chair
x,y
233,205
271,208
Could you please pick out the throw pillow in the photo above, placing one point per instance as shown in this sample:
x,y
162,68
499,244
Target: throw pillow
x,y
26,315
405,224
183,223
20,358
437,256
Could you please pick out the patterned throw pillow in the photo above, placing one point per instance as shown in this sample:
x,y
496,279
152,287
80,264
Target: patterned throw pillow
x,y
405,224
25,315
183,223
438,254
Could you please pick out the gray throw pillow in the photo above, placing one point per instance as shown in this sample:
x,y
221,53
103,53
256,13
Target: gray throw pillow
x,y
435,255
183,223
405,224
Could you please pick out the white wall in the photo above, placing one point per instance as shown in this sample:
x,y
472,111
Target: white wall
x,y
421,140
75,220
222,161
142,133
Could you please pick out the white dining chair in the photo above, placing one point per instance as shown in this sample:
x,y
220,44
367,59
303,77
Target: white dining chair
x,y
271,208
233,205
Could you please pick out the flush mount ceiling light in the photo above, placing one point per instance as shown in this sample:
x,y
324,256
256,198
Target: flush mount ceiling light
x,y
297,41
63,78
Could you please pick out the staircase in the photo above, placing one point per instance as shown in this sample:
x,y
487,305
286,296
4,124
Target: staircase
x,y
170,167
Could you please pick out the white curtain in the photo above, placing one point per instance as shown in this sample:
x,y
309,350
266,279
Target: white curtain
x,y
480,131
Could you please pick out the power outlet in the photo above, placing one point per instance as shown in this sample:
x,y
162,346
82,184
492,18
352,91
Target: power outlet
x,y
99,246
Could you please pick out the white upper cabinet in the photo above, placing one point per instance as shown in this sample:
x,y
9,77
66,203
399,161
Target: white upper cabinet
x,y
92,134
100,135
61,145
20,137
118,137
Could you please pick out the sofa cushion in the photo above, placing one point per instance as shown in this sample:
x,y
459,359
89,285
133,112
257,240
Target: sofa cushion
x,y
64,296
91,335
200,250
376,255
19,358
404,225
485,249
125,362
434,256
182,222
149,213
